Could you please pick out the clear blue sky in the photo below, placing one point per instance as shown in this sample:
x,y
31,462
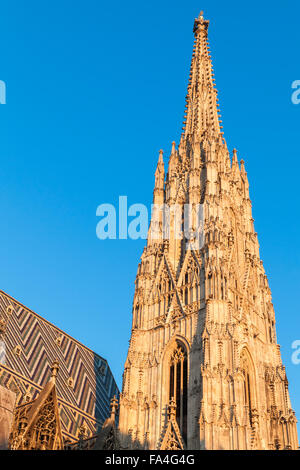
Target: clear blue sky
x,y
94,90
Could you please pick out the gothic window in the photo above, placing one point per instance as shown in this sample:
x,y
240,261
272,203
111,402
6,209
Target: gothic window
x,y
183,222
186,296
169,300
271,332
222,288
247,384
136,320
209,285
178,385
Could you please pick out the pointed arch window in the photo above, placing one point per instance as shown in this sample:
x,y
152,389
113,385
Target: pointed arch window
x,y
248,390
178,385
210,286
271,331
186,296
169,300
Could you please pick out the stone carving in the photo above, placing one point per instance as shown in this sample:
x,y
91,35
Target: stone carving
x,y
36,424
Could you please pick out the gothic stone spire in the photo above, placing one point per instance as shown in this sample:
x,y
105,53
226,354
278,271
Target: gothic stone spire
x,y
202,111
203,320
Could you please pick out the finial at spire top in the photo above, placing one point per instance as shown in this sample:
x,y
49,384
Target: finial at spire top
x,y
200,21
113,406
243,166
54,370
161,154
234,157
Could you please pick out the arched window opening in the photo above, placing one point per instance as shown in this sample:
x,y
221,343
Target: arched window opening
x,y
270,335
222,287
210,285
186,296
136,319
248,394
178,386
271,332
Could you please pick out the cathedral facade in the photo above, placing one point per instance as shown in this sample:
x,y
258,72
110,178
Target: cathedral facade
x,y
204,369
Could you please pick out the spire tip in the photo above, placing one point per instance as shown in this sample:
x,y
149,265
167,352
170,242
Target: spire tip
x,y
200,21
54,370
160,158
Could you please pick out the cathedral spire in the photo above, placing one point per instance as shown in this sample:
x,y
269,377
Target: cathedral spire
x,y
202,308
172,161
159,175
202,111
